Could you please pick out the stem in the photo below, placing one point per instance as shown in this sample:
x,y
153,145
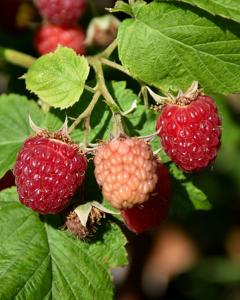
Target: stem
x,y
145,96
89,88
109,50
86,130
114,65
118,126
87,111
97,65
18,58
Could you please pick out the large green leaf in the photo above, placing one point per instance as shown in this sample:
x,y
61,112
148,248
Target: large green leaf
x,y
38,261
169,46
185,195
229,9
14,126
58,78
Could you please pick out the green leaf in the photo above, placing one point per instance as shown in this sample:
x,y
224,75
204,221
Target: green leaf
x,y
168,46
186,196
14,126
121,6
38,261
58,78
229,9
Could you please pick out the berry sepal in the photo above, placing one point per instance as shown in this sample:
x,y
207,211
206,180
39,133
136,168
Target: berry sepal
x,y
83,220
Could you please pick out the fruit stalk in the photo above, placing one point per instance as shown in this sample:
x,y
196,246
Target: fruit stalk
x,y
96,64
87,111
18,58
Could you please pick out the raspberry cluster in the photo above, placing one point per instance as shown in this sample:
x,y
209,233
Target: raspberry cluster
x,y
61,26
48,173
126,170
50,168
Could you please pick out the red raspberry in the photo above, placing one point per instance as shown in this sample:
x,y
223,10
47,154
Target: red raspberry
x,y
126,170
49,36
190,134
48,172
61,12
151,213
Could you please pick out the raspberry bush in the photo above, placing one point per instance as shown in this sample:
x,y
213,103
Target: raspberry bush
x,y
106,171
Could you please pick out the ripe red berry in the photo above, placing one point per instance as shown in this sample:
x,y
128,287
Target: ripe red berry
x,y
151,213
190,134
61,12
49,36
126,170
48,172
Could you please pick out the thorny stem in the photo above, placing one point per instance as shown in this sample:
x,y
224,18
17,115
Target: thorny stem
x,y
114,65
87,111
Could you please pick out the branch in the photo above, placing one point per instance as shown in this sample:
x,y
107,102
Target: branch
x,y
87,111
97,65
109,50
18,58
115,66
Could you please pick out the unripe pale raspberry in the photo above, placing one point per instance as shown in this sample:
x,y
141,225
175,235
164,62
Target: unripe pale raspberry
x,y
48,172
126,170
190,134
151,213
49,36
61,12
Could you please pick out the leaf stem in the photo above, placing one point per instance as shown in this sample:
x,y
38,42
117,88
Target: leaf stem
x,y
87,111
109,50
18,58
114,65
86,130
89,89
97,65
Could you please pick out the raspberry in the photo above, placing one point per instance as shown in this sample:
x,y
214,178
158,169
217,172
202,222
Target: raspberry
x,y
126,170
61,12
151,213
48,172
190,133
49,36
